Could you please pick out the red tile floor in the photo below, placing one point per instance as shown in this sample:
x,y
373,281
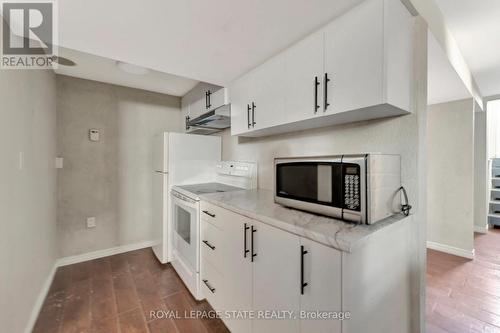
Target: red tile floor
x,y
116,294
464,295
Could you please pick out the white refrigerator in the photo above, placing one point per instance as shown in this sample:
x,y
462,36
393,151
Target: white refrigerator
x,y
178,159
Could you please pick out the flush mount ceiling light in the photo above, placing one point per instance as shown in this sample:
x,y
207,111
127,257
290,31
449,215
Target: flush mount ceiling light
x,y
132,69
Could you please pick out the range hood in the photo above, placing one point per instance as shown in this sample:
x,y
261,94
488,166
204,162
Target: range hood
x,y
210,122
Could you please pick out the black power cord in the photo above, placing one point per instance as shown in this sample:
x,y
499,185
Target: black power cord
x,y
406,207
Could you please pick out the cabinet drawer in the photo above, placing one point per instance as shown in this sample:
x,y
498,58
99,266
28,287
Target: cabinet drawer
x,y
213,286
212,245
216,215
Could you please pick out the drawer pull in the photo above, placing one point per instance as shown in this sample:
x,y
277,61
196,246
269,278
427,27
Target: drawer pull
x,y
208,213
209,287
209,245
326,104
251,244
316,84
302,283
245,250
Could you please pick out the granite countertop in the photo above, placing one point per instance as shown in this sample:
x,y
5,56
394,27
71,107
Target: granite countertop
x,y
259,205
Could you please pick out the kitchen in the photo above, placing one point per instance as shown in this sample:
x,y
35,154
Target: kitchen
x,y
282,196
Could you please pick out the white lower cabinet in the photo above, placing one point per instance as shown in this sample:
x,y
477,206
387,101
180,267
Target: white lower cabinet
x,y
239,270
322,273
276,278
268,270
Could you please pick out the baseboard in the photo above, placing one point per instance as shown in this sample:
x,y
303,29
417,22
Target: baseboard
x,y
40,299
103,253
481,230
450,250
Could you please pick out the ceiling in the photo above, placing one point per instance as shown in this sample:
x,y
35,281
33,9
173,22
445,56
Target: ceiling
x,y
476,28
444,84
214,41
102,69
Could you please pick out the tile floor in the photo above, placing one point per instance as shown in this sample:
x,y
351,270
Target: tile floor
x,y
464,295
116,294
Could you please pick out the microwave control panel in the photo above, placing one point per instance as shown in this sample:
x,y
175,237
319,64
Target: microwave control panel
x,y
352,186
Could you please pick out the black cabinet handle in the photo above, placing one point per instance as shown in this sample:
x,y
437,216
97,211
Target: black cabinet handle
x,y
326,92
209,287
206,99
253,114
209,95
208,213
209,245
187,121
302,283
245,250
251,243
248,115
316,84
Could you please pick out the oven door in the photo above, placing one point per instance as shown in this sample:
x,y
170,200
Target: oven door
x,y
185,217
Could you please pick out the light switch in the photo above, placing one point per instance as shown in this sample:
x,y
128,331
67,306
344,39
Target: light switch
x,y
59,162
94,134
91,222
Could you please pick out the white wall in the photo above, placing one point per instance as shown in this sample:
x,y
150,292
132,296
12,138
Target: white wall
x,y
481,197
28,243
450,194
111,179
493,126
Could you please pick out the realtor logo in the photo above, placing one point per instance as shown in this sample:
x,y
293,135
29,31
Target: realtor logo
x,y
28,34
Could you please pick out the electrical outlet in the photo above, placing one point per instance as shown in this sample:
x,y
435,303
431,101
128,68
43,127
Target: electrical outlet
x,y
20,161
91,222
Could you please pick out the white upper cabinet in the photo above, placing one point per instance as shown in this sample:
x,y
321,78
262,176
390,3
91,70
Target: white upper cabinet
x,y
362,63
240,104
368,59
200,99
217,98
304,78
268,94
258,97
354,58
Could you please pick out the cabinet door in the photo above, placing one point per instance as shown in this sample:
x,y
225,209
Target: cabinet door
x,y
322,273
218,98
276,277
238,269
198,107
354,58
267,91
304,78
240,99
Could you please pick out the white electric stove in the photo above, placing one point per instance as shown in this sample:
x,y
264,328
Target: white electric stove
x,y
230,176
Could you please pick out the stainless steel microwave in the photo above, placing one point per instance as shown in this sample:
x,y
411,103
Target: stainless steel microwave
x,y
356,188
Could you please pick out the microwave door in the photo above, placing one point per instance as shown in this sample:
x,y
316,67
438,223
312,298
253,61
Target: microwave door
x,y
310,185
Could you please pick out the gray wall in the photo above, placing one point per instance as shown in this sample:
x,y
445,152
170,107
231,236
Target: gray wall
x,y
481,196
110,179
28,243
451,175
